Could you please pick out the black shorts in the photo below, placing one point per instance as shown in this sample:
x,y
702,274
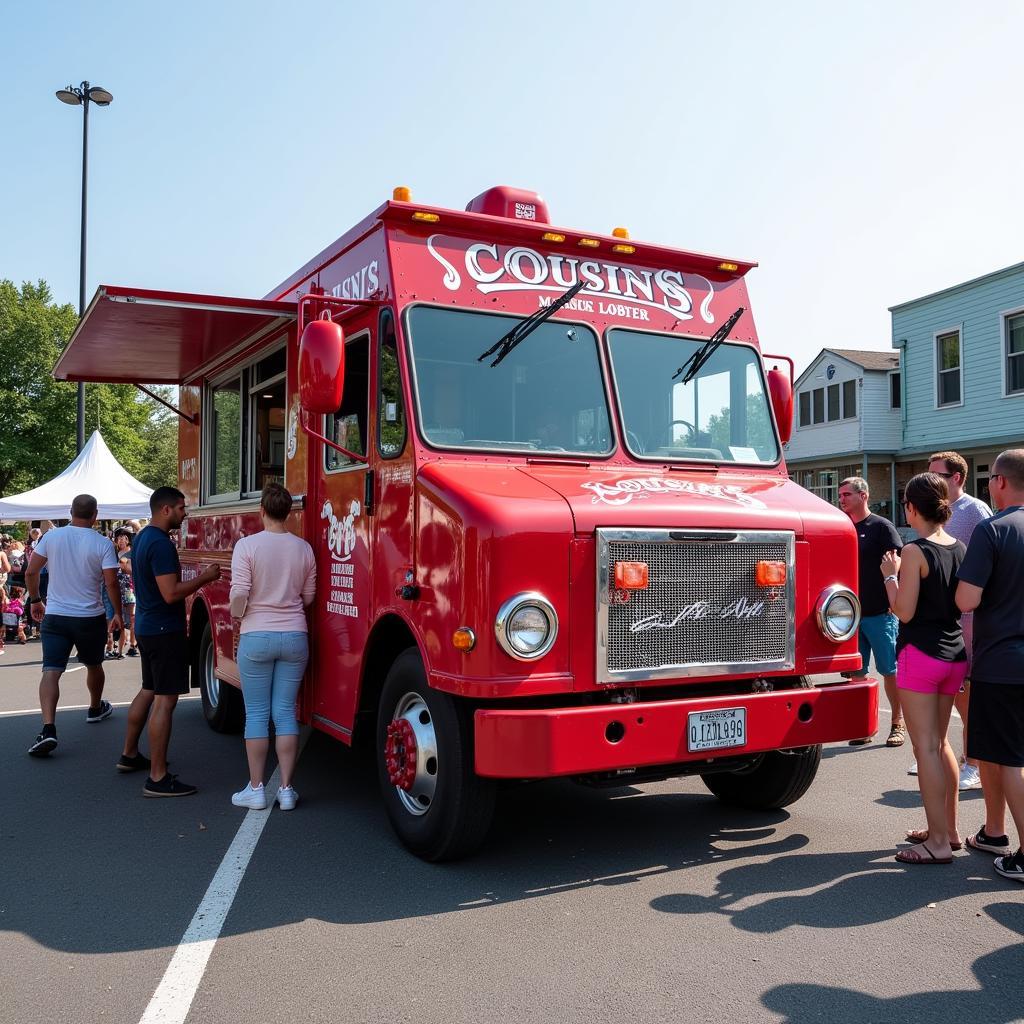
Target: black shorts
x,y
62,632
995,730
164,663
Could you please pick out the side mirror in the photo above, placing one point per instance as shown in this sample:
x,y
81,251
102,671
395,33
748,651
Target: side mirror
x,y
780,388
321,366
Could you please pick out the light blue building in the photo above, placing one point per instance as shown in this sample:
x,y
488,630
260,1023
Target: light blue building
x,y
956,381
962,361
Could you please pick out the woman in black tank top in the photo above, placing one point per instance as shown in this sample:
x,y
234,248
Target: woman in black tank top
x,y
931,661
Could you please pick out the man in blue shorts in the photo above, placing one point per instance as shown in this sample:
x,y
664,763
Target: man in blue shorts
x,y
72,615
878,625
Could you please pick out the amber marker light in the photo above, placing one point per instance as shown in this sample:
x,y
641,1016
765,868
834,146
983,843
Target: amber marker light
x,y
631,576
620,233
552,236
771,574
402,194
589,243
627,249
428,218
728,266
464,639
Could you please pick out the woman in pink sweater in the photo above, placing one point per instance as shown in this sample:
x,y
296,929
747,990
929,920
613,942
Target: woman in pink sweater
x,y
273,580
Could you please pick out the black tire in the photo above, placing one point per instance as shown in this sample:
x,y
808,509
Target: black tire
x,y
455,819
223,707
776,780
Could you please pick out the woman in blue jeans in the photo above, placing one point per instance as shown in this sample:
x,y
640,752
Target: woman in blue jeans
x,y
273,580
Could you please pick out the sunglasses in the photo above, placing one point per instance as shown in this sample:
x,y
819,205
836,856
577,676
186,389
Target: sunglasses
x,y
946,476
996,476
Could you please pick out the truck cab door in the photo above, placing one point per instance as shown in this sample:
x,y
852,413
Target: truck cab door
x,y
339,530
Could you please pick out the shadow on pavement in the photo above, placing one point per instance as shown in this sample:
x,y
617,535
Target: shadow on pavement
x,y
996,1000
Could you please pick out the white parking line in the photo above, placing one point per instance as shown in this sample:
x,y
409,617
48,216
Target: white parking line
x,y
173,996
80,707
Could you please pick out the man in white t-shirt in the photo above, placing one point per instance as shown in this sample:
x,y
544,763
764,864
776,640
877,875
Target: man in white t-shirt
x,y
79,561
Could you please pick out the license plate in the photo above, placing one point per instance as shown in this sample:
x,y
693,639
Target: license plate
x,y
713,730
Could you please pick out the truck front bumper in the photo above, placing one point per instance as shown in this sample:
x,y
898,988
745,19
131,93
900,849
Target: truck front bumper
x,y
543,742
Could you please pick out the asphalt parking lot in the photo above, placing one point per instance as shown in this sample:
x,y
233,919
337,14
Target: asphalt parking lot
x,y
647,903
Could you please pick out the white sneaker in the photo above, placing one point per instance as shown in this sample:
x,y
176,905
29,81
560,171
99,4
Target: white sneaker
x,y
970,777
254,799
287,798
912,770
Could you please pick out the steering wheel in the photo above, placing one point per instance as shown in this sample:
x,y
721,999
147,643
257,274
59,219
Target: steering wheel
x,y
635,442
685,423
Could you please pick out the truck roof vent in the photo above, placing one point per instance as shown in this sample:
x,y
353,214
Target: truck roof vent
x,y
514,203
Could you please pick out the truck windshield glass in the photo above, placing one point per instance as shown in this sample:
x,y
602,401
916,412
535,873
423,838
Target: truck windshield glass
x,y
721,415
547,395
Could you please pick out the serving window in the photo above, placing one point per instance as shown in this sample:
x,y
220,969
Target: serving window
x,y
348,426
244,429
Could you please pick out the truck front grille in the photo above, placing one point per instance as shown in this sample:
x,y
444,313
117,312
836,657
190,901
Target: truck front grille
x,y
702,614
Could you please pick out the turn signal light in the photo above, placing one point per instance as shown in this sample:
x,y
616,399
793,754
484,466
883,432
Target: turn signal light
x,y
430,218
463,639
402,194
631,575
771,574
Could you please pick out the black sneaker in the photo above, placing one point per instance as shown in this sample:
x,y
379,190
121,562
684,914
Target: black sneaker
x,y
169,785
981,840
46,742
1010,867
105,710
132,764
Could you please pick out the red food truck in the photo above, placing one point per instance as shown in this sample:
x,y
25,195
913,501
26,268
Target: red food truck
x,y
543,474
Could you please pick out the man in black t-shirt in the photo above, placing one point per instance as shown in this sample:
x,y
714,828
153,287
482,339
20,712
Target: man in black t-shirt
x,y
878,625
990,586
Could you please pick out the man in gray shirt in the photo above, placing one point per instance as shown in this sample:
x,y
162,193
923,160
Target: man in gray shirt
x,y
968,512
990,584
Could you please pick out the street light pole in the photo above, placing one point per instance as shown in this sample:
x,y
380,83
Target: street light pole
x,y
83,95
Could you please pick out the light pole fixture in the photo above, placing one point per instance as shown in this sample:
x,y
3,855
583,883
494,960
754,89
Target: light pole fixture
x,y
82,95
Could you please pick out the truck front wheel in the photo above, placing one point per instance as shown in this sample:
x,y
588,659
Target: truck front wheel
x,y
438,805
223,708
779,778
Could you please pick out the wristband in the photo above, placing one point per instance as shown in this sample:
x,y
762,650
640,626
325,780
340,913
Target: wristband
x,y
891,579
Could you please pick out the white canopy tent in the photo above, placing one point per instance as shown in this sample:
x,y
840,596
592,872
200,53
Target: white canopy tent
x,y
95,471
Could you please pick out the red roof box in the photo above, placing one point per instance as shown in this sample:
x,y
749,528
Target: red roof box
x,y
514,203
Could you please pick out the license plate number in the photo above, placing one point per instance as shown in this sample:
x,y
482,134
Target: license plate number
x,y
713,730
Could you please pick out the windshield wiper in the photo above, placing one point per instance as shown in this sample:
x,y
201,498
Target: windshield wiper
x,y
693,365
526,327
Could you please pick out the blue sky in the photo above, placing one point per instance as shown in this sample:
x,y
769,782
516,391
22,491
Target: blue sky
x,y
863,155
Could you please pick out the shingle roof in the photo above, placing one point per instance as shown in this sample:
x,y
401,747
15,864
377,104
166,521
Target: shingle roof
x,y
870,360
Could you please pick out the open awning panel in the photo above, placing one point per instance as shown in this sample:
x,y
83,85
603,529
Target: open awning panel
x,y
138,336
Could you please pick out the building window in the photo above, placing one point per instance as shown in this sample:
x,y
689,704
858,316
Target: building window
x,y
805,408
833,402
1015,354
849,399
818,400
949,369
895,395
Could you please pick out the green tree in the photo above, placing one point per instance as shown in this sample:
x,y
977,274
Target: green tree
x,y
759,434
37,413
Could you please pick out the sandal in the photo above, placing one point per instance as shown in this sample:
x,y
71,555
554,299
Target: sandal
x,y
913,856
897,734
917,836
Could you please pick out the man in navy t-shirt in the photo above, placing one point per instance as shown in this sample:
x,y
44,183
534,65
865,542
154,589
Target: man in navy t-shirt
x,y
160,633
990,586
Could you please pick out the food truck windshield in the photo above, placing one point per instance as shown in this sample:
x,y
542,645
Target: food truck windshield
x,y
549,393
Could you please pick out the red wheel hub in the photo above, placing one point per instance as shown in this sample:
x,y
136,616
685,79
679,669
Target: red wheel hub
x,y
400,754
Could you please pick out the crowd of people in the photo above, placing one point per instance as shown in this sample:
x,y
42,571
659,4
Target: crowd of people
x,y
95,594
943,618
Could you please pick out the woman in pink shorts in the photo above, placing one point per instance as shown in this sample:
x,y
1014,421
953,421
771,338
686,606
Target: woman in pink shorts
x,y
931,661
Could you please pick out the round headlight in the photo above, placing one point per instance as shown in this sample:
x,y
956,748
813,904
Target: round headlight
x,y
838,613
526,626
